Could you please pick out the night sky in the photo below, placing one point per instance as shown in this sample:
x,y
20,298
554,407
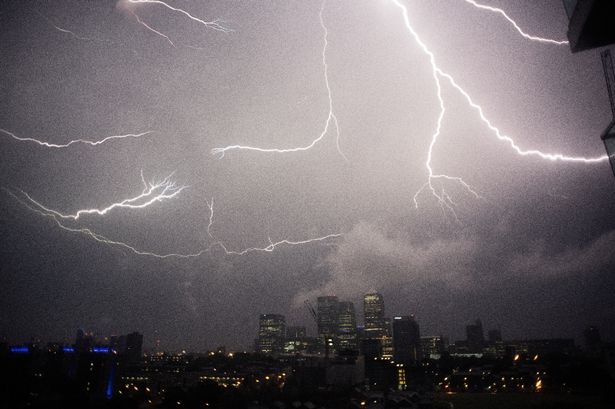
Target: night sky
x,y
535,257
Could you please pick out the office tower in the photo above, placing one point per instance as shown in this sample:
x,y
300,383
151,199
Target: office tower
x,y
271,334
83,341
406,340
373,314
495,335
134,347
327,313
295,332
296,340
387,340
593,341
475,337
432,346
346,327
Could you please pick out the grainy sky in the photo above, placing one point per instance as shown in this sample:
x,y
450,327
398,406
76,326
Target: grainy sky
x,y
534,257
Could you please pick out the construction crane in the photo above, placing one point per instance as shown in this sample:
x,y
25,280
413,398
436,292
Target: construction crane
x,y
327,341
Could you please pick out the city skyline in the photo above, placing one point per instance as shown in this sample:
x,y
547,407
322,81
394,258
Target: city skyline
x,y
273,331
180,170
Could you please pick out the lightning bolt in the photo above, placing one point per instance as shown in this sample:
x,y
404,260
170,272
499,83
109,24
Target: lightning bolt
x,y
442,197
152,192
331,117
514,23
76,141
153,30
63,30
33,206
58,219
267,249
214,24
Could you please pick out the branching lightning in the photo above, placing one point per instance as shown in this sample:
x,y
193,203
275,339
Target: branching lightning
x,y
515,25
59,219
214,24
167,189
152,192
272,245
153,30
95,236
442,197
331,117
75,141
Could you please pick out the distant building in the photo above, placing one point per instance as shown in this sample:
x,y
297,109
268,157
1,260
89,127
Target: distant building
x,y
295,332
433,346
371,348
532,347
326,316
134,347
383,374
96,372
376,325
303,346
406,340
593,342
346,327
271,334
387,340
83,341
296,341
373,316
128,346
327,310
495,335
475,337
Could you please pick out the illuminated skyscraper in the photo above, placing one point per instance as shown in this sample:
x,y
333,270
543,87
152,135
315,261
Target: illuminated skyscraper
x,y
346,327
376,325
433,346
271,334
373,314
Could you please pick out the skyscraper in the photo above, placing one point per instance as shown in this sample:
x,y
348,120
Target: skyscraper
x,y
475,337
406,340
327,309
346,327
433,346
295,332
83,341
495,335
376,325
134,346
373,314
592,339
271,334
